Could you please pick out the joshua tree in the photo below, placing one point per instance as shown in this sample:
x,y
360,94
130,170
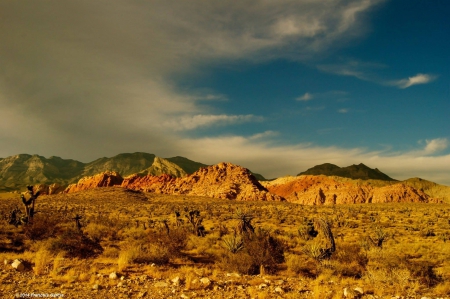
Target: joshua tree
x,y
380,237
29,203
315,250
245,222
195,220
77,219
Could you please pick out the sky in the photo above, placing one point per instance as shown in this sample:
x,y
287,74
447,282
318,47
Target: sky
x,y
275,86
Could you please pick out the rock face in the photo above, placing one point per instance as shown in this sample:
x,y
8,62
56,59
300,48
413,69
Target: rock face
x,y
223,180
148,183
322,190
398,193
105,179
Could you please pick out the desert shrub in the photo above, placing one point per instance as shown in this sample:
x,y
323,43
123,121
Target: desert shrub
x,y
424,272
96,232
300,264
261,252
265,250
142,253
75,244
239,262
174,241
42,260
351,261
42,227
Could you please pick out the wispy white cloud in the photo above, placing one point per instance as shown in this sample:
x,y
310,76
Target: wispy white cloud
x,y
306,97
436,145
343,110
201,120
415,80
366,71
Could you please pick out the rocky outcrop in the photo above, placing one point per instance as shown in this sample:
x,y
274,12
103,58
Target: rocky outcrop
x,y
224,180
105,179
148,183
49,189
322,190
398,193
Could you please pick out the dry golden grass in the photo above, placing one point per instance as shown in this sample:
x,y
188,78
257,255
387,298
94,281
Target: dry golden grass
x,y
395,249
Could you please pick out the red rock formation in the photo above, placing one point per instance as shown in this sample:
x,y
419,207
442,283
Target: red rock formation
x,y
223,180
105,179
320,190
46,189
398,193
148,183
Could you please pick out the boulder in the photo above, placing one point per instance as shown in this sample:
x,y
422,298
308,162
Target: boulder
x,y
18,265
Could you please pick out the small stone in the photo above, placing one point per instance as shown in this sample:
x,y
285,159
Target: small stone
x,y
279,290
122,277
176,281
161,284
95,286
113,275
279,282
6,262
184,296
359,290
262,286
18,265
233,275
206,281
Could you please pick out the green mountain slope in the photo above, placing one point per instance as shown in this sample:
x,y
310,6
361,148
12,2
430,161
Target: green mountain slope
x,y
187,165
18,171
125,164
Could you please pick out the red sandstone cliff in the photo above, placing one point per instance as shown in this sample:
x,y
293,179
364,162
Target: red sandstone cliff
x,y
223,180
319,190
104,179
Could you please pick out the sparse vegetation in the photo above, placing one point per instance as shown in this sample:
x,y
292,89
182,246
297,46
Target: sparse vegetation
x,y
389,249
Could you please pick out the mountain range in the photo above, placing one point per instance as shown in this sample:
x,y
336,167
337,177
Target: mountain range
x,y
18,171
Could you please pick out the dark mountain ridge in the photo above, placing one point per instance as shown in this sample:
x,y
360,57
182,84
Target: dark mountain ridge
x,y
354,171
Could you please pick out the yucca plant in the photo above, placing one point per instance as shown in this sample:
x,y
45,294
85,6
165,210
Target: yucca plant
x,y
233,243
380,237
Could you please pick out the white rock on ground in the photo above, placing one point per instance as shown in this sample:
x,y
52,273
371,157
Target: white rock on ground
x,y
18,265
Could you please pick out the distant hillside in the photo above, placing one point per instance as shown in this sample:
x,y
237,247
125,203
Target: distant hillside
x,y
434,190
360,171
18,171
125,164
187,165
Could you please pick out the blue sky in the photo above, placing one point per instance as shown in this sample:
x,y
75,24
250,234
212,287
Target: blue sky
x,y
275,86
